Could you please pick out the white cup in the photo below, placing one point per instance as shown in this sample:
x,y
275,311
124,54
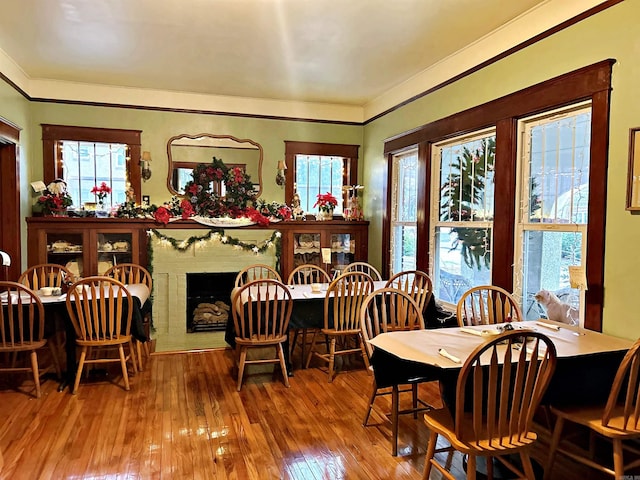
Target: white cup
x,y
46,291
316,287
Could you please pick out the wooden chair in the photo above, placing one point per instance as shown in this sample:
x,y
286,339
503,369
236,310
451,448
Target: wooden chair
x,y
364,267
387,310
261,312
305,274
22,329
256,272
342,304
46,275
414,283
50,275
618,420
130,273
498,390
487,305
100,309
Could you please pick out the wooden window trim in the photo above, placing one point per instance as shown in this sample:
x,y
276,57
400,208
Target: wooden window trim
x,y
293,148
592,83
52,161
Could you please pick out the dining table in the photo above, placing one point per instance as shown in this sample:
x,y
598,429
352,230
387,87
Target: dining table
x,y
57,320
307,312
587,361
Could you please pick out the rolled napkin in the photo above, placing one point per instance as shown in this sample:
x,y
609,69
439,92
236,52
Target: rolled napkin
x,y
549,326
306,295
446,354
471,331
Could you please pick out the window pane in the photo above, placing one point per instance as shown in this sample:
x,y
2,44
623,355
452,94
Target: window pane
x,y
404,248
466,180
318,174
87,164
559,170
547,257
404,203
459,262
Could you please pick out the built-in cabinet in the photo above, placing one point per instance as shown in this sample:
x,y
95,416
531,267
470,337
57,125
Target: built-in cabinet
x,y
330,244
89,246
85,246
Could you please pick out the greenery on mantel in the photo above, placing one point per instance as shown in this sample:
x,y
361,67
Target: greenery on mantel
x,y
217,236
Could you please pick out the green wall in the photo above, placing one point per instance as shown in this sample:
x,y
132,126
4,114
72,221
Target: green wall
x,y
610,34
15,109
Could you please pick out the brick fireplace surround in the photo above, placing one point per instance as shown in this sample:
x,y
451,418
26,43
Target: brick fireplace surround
x,y
170,268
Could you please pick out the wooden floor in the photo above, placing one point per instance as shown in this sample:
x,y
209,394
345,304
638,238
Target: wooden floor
x,y
184,419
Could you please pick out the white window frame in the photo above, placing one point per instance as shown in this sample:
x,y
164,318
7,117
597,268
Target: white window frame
x,y
396,198
434,213
522,224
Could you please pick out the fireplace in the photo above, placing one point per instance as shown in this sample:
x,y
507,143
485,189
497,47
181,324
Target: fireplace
x,y
209,300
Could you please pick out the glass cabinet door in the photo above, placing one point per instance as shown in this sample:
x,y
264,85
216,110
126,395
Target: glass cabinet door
x,y
114,248
306,249
343,251
66,249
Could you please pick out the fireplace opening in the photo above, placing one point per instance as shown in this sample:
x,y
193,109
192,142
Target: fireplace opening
x,y
209,300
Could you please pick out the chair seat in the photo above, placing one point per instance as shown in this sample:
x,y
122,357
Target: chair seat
x,y
255,341
24,346
441,421
104,343
592,417
334,332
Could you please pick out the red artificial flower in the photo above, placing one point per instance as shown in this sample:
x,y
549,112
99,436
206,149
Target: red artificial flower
x,y
187,208
162,215
103,188
193,189
325,200
255,216
284,212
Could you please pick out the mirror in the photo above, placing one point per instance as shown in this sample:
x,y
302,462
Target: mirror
x,y
186,151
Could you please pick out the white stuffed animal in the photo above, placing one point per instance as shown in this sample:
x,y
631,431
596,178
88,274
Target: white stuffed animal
x,y
557,310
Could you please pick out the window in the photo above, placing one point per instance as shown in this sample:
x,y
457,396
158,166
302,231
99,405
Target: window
x,y
554,199
315,168
462,217
541,208
404,193
85,157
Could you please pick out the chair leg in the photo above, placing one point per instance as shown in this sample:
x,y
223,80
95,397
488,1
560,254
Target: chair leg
x,y
394,420
332,355
553,447
132,354
618,463
471,467
312,349
242,360
372,399
123,363
414,399
283,365
36,373
527,468
138,345
431,450
83,355
365,357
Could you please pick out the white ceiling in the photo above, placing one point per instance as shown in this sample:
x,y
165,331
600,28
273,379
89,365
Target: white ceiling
x,y
343,53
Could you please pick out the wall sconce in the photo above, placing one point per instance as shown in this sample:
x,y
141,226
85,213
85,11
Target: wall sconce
x,y
145,163
280,178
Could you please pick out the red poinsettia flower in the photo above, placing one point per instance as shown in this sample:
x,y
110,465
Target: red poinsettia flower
x,y
326,201
162,215
186,208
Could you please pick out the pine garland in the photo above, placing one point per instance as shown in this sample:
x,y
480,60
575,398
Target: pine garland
x,y
218,235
